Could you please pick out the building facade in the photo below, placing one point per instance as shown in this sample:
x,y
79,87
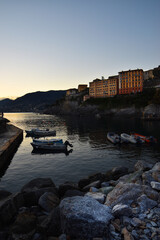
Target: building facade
x,y
148,75
103,88
131,81
82,87
71,91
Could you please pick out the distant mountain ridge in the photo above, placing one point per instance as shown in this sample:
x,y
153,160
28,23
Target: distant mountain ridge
x,y
35,101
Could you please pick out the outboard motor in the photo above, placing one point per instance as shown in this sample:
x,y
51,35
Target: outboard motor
x,y
68,144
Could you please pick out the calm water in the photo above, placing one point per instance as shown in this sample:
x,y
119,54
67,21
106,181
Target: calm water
x,y
91,151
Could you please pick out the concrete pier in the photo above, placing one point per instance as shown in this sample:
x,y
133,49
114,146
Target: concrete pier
x,y
9,142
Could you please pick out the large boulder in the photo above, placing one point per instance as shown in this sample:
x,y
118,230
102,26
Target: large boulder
x,y
129,192
37,184
31,197
63,188
84,217
142,165
123,193
48,201
118,172
24,226
95,184
9,208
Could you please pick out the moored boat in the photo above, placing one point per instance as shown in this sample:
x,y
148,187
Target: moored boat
x,y
113,137
147,139
35,132
51,146
128,138
48,141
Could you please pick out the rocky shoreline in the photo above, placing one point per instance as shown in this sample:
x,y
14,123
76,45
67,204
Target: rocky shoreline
x,y
112,206
74,109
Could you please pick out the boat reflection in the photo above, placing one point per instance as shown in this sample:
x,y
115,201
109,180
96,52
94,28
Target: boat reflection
x,y
45,151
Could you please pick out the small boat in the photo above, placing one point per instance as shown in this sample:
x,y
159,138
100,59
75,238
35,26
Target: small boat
x,y
35,132
51,146
113,137
146,139
128,138
48,141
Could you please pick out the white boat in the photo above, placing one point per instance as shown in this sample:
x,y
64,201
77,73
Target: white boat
x,y
48,141
51,146
113,137
35,132
126,137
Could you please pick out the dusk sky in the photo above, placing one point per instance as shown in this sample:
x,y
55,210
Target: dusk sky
x,y
58,44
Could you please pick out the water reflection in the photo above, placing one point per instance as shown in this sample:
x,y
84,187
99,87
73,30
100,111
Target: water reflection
x,y
44,152
92,152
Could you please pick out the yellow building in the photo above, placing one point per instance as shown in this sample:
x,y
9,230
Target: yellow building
x,y
82,87
103,88
131,81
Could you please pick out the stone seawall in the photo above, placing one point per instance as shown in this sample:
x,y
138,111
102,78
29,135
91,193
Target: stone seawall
x,y
9,142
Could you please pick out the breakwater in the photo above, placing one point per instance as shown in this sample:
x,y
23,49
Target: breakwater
x,y
118,204
9,142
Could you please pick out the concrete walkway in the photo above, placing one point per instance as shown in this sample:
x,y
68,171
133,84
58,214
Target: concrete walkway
x,y
9,141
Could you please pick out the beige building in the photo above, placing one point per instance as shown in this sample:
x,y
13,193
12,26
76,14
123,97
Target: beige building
x,y
103,88
71,91
148,74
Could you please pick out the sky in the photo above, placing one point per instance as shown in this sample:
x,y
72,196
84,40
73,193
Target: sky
x,y
59,44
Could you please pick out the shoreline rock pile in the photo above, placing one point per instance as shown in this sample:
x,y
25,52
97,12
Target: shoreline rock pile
x,y
111,206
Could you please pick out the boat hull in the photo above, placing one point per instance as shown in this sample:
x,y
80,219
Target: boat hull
x,y
49,147
113,138
39,133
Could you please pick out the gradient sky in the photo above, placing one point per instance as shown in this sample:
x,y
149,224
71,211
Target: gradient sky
x,y
58,44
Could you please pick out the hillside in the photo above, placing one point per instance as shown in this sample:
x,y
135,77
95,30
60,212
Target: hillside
x,y
35,101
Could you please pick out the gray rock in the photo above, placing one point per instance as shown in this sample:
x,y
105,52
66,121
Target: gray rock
x,y
72,193
156,167
126,220
25,224
104,184
106,190
156,176
145,203
123,193
84,217
135,235
147,177
52,223
142,165
93,189
9,208
63,237
155,185
48,201
132,177
37,184
136,222
4,194
117,172
31,197
84,182
100,197
63,188
95,184
121,210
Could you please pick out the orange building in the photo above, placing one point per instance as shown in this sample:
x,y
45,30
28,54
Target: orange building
x,y
82,87
103,88
131,81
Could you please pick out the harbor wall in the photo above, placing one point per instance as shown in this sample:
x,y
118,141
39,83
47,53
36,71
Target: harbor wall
x,y
10,145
